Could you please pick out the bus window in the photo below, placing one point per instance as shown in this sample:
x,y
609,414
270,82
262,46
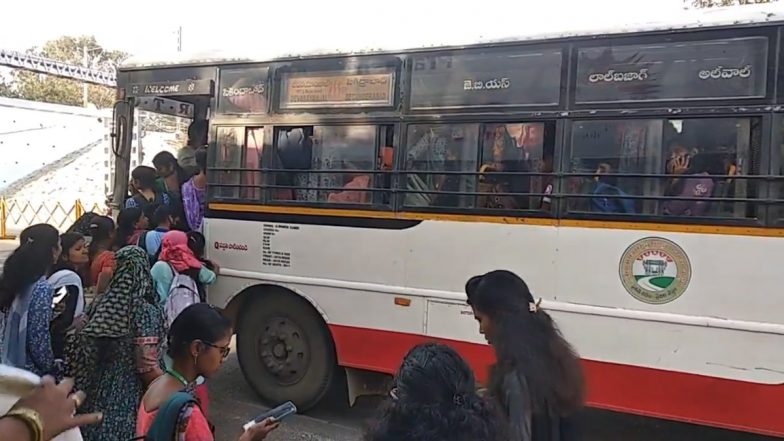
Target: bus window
x,y
228,155
517,148
693,163
329,163
433,149
252,178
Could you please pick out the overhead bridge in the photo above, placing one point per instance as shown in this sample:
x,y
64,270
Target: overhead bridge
x,y
35,63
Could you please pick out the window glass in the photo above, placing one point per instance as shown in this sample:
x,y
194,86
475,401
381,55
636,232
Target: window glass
x,y
252,178
327,163
243,90
517,77
695,70
664,167
228,154
433,149
517,148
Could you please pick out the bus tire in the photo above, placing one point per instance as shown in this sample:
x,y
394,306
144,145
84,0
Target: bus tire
x,y
285,350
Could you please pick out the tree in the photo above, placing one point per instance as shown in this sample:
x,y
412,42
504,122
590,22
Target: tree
x,y
701,4
38,87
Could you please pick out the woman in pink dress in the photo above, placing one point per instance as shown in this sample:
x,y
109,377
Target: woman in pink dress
x,y
199,340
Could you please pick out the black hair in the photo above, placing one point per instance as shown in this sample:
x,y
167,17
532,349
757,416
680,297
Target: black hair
x,y
67,241
164,158
197,133
199,321
161,215
528,343
101,230
126,225
29,262
201,159
146,177
197,243
436,400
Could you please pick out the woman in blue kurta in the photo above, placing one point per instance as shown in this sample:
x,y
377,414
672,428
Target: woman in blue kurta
x,y
26,302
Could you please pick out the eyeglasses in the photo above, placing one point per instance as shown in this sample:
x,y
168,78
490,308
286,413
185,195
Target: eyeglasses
x,y
225,350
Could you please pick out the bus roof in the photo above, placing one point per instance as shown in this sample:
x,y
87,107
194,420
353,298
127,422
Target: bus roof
x,y
748,15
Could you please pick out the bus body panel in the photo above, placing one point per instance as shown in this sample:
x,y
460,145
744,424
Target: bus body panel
x,y
712,341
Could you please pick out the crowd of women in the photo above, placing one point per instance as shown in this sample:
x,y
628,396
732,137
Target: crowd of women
x,y
86,310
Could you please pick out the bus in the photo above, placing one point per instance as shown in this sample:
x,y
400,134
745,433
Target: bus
x,y
632,177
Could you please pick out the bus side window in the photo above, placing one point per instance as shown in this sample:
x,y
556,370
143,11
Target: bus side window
x,y
228,155
433,149
386,160
329,163
510,151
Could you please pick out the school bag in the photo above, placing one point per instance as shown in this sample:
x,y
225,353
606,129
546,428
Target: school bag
x,y
182,294
142,243
164,426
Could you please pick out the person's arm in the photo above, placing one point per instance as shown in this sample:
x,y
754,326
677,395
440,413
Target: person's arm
x,y
13,428
55,407
162,278
146,354
39,340
106,272
206,276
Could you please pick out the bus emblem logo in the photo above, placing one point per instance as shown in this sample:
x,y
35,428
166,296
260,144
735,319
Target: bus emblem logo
x,y
655,270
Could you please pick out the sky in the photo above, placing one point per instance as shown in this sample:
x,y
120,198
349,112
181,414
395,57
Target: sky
x,y
148,28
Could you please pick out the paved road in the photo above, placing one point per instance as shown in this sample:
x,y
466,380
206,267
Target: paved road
x,y
233,403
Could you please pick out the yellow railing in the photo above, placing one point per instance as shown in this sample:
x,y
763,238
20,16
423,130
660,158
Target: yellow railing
x,y
16,215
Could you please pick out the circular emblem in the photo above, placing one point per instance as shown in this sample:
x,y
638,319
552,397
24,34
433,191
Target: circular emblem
x,y
655,270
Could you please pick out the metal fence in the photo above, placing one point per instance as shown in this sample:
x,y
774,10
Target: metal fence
x,y
16,215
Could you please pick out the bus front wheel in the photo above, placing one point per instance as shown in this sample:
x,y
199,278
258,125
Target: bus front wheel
x,y
285,350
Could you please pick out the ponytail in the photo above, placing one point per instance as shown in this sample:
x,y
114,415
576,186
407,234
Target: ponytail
x,y
29,262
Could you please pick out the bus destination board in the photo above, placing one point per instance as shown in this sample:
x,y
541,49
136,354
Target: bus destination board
x,y
692,70
243,90
515,78
307,91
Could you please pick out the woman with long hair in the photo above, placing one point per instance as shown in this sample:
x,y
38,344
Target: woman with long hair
x,y
26,301
198,344
65,279
131,224
537,379
194,193
101,253
115,355
434,399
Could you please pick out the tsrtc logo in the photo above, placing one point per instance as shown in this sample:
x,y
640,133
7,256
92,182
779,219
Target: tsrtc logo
x,y
230,246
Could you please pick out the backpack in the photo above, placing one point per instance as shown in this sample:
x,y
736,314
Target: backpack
x,y
82,225
142,243
164,426
182,294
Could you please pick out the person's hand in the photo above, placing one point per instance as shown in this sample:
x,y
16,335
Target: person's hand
x,y
215,267
57,407
259,431
680,164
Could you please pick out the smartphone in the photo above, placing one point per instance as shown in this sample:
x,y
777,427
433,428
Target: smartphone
x,y
278,414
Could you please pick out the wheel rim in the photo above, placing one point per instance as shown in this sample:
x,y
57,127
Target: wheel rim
x,y
284,350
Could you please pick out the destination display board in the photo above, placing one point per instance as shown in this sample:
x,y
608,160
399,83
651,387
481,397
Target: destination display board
x,y
337,89
244,90
673,71
172,88
513,78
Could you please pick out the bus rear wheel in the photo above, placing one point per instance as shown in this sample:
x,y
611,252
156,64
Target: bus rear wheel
x,y
285,350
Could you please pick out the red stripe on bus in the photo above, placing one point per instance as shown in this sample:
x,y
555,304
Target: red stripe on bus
x,y
717,402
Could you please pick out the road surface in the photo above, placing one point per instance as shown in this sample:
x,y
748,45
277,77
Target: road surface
x,y
233,403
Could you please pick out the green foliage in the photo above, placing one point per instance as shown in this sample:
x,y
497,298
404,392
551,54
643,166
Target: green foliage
x,y
38,87
720,3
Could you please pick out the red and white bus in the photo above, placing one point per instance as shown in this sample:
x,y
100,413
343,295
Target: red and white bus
x,y
633,178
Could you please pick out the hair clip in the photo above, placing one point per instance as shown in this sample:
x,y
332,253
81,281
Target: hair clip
x,y
534,307
458,400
